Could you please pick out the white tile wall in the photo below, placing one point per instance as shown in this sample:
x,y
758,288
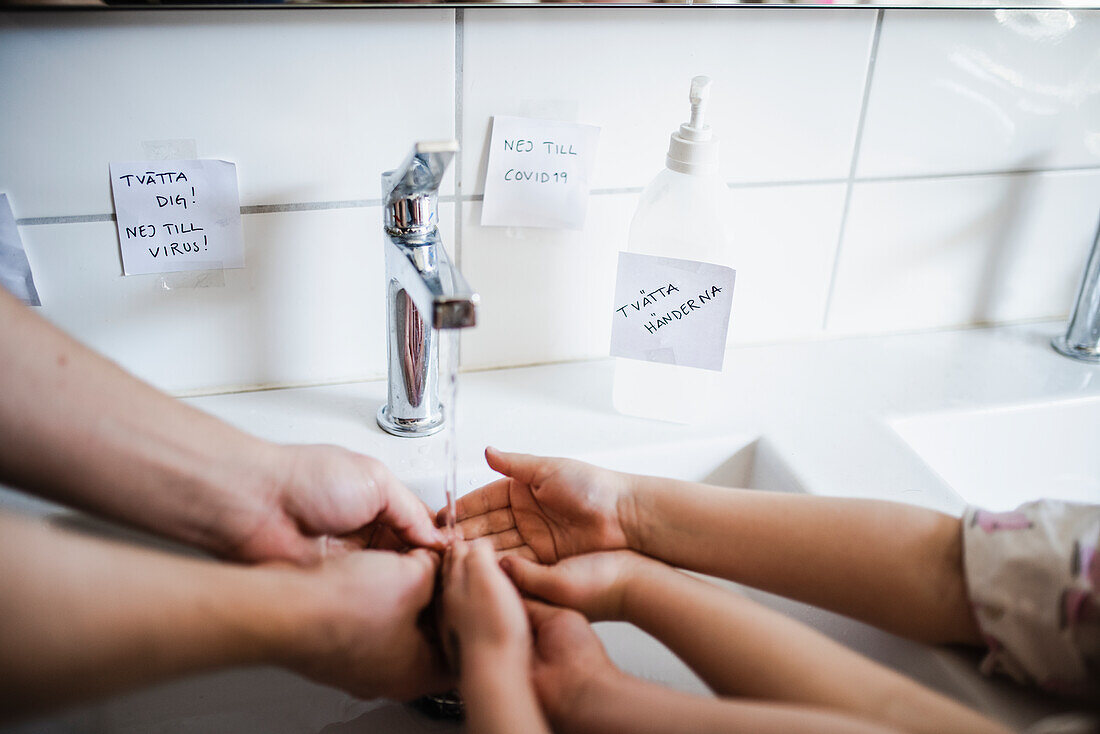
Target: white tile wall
x,y
306,103
309,105
984,91
546,294
785,100
307,308
950,252
785,237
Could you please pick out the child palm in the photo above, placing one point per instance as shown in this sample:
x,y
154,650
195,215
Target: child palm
x,y
545,509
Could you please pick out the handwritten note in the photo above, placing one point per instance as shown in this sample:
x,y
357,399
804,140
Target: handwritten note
x,y
15,269
538,173
672,311
177,215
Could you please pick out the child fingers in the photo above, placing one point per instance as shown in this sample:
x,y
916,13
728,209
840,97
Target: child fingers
x,y
485,575
495,521
479,559
454,571
522,467
448,561
534,578
523,551
507,540
492,496
538,612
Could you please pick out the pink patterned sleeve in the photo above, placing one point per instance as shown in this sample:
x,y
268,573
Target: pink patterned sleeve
x,y
1033,576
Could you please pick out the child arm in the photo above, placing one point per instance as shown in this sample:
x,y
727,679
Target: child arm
x,y
738,647
584,693
488,640
896,566
892,565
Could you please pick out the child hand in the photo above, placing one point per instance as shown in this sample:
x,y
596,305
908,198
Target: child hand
x,y
593,583
546,509
570,664
484,624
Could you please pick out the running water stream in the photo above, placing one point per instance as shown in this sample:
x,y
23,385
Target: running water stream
x,y
450,346
448,705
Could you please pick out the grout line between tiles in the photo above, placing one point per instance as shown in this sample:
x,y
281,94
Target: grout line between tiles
x,y
871,57
73,219
309,206
974,174
780,184
459,199
460,50
620,190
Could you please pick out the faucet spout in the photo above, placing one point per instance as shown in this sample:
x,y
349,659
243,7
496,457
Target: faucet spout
x,y
425,292
1082,338
436,287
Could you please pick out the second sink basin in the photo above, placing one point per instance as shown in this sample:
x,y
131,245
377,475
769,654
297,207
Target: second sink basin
x,y
1001,458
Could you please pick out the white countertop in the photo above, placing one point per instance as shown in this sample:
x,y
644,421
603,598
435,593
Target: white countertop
x,y
812,416
824,406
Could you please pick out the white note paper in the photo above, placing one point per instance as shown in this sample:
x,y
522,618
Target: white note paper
x,y
15,269
538,173
672,311
177,215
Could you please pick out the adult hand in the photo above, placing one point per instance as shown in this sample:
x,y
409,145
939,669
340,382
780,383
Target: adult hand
x,y
594,584
81,431
570,667
546,509
360,626
484,622
324,500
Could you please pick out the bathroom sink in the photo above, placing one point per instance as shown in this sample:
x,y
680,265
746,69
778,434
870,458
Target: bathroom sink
x,y
1001,458
278,702
274,701
727,461
750,463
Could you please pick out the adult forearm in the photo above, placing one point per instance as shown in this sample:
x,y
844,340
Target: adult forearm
x,y
84,617
754,651
77,429
896,566
626,705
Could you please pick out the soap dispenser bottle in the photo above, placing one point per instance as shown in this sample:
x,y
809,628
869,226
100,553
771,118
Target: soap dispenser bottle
x,y
682,214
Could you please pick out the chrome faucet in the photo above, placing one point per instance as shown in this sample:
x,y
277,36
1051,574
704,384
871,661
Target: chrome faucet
x,y
1082,338
424,290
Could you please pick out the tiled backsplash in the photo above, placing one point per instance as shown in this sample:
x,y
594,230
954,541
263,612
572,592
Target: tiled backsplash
x,y
889,170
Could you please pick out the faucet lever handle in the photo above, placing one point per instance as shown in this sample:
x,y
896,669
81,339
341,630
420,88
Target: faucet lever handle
x,y
410,191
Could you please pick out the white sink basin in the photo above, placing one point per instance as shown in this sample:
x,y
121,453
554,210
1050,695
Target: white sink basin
x,y
999,459
725,461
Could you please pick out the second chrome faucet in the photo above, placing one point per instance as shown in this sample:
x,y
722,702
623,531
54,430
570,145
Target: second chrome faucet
x,y
1082,338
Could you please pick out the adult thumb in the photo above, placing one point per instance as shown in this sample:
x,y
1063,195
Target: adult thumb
x,y
410,518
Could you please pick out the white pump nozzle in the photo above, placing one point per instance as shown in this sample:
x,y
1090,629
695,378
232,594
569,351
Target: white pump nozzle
x,y
700,90
693,148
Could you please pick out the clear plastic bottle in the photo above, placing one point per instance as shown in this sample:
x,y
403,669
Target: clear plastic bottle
x,y
682,214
